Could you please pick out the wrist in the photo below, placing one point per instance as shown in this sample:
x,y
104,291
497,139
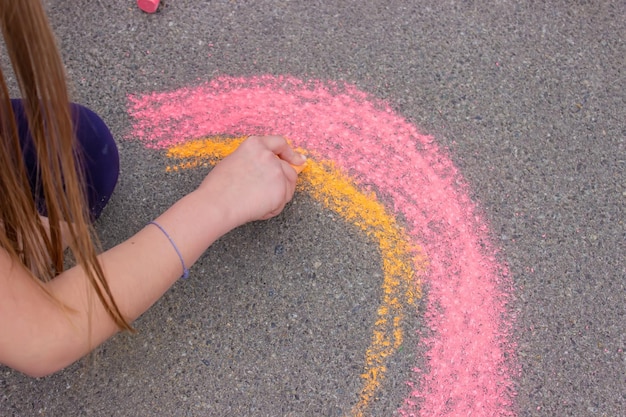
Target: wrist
x,y
223,206
215,213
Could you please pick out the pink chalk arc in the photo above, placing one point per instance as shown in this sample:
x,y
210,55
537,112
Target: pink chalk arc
x,y
470,360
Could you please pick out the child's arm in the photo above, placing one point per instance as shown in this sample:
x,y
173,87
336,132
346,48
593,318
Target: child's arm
x,y
38,338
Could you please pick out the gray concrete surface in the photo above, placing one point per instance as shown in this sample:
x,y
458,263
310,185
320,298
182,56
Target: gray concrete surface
x,y
530,98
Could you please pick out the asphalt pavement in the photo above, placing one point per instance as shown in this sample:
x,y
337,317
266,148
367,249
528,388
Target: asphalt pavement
x,y
528,100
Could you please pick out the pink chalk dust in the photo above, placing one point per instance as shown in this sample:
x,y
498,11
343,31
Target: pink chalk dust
x,y
470,360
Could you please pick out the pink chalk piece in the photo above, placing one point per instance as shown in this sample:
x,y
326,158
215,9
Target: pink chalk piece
x,y
470,360
148,6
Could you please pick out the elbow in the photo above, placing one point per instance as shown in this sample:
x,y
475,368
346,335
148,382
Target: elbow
x,y
36,366
36,370
39,371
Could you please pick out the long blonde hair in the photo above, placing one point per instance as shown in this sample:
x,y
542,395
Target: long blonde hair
x,y
40,76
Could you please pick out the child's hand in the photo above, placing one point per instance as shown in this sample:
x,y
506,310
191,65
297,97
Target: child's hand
x,y
256,181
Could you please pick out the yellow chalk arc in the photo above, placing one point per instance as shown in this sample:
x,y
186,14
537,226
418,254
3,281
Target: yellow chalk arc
x,y
402,263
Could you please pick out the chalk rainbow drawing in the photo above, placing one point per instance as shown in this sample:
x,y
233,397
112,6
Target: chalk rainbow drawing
x,y
363,153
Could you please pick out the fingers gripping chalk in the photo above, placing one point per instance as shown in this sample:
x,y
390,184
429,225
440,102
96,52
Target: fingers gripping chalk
x,y
283,150
299,168
289,155
148,6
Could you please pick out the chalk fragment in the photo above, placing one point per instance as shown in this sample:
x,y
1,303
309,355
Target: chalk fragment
x,y
299,168
148,6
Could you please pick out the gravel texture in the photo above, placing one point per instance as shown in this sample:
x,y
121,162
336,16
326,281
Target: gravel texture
x,y
528,97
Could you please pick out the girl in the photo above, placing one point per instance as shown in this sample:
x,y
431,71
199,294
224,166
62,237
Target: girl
x,y
58,168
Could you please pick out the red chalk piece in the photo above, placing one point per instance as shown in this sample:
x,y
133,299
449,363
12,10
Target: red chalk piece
x,y
148,6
